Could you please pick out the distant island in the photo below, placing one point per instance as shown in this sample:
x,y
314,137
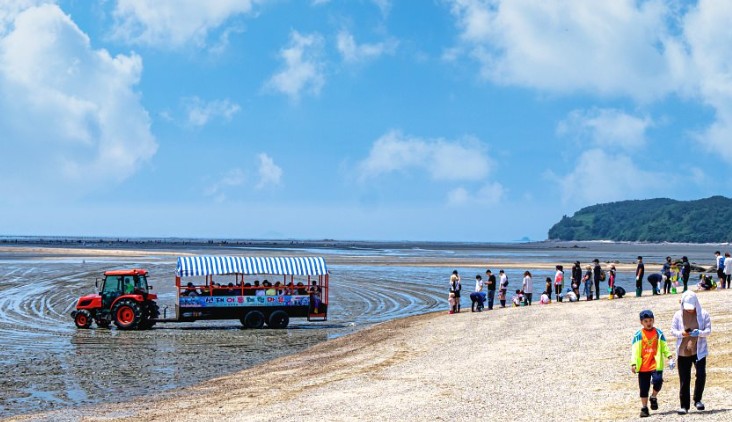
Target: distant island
x,y
706,220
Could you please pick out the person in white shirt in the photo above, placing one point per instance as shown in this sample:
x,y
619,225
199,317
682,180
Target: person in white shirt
x,y
527,287
727,271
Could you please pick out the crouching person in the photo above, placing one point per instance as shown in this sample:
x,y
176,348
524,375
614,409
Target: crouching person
x,y
649,352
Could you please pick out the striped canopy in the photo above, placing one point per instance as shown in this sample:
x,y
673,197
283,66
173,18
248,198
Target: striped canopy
x,y
191,266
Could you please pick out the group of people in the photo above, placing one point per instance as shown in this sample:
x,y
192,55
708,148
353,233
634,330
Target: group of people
x,y
674,274
266,288
691,326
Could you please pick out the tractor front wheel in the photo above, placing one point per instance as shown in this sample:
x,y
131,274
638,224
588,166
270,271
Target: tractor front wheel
x,y
127,314
83,319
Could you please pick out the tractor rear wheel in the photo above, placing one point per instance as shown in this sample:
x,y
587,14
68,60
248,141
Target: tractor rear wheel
x,y
83,319
127,314
152,312
278,320
253,319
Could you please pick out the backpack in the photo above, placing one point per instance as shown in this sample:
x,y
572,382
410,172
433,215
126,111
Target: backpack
x,y
602,275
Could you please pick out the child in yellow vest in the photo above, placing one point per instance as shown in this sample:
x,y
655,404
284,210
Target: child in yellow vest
x,y
649,351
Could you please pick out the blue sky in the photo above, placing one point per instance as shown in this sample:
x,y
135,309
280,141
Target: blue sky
x,y
453,120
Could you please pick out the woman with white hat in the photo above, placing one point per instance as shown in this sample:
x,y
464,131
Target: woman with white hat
x,y
691,326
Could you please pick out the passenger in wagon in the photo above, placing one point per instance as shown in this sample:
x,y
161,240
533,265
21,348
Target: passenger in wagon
x,y
190,290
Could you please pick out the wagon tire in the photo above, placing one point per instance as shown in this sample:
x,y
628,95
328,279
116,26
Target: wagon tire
x,y
278,320
253,319
127,314
83,319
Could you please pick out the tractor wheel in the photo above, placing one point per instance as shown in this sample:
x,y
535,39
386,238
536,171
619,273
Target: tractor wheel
x,y
127,314
152,312
278,320
83,319
253,319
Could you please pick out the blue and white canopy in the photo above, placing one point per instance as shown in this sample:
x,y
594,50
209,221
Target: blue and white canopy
x,y
192,266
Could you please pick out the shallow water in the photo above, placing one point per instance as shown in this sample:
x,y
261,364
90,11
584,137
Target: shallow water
x,y
50,364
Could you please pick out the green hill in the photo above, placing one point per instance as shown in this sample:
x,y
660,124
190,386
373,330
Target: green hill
x,y
652,220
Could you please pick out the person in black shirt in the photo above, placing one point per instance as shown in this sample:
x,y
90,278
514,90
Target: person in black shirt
x,y
491,284
640,270
576,278
685,271
655,279
596,274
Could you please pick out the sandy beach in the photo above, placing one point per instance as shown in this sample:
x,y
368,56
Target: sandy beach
x,y
561,361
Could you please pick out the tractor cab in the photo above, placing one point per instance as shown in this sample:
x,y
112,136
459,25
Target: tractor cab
x,y
118,283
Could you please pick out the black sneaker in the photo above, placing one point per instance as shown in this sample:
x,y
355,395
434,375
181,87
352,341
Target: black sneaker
x,y
699,405
644,412
654,403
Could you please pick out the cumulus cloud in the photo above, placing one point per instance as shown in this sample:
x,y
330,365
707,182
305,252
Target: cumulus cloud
x,y
69,116
270,174
303,68
613,48
439,158
600,176
606,127
200,112
353,52
173,23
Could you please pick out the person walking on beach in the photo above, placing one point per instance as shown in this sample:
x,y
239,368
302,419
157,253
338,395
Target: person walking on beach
x,y
503,280
691,326
719,259
527,287
727,271
685,272
558,281
648,354
597,276
666,272
491,284
576,278
588,282
640,271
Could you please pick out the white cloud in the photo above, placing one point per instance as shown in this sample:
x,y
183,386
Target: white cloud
x,y
232,178
384,6
604,177
303,70
606,127
9,9
69,117
620,47
441,159
353,52
270,174
173,23
489,194
200,112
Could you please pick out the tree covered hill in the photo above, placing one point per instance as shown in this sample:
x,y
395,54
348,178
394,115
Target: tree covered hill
x,y
652,220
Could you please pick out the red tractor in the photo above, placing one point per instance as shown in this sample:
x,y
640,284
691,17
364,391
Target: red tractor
x,y
123,298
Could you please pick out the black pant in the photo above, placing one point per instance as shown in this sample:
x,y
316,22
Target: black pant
x,y
685,363
597,288
646,378
685,279
491,296
528,298
667,286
